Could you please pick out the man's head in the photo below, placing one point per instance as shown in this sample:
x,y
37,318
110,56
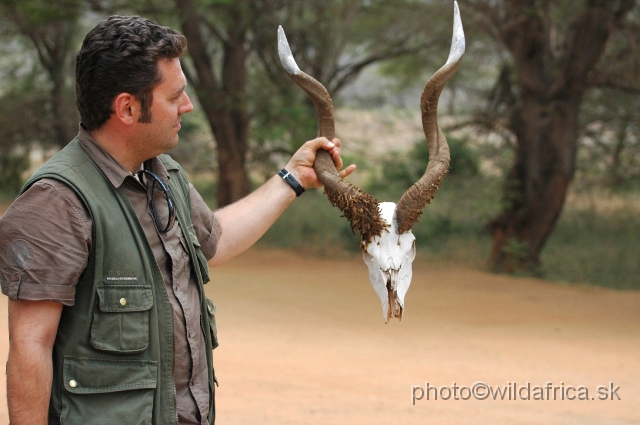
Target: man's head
x,y
121,55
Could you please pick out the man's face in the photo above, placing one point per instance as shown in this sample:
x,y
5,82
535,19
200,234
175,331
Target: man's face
x,y
170,101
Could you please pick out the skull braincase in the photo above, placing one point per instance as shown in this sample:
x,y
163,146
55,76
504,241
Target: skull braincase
x,y
389,258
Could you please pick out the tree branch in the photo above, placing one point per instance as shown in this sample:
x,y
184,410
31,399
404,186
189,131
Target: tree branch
x,y
197,45
593,30
351,71
615,85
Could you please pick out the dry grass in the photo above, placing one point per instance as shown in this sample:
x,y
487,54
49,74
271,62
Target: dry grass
x,y
604,202
596,240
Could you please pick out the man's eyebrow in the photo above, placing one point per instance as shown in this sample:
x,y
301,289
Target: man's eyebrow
x,y
180,90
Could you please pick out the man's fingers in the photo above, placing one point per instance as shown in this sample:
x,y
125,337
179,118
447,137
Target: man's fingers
x,y
347,171
301,163
337,160
321,143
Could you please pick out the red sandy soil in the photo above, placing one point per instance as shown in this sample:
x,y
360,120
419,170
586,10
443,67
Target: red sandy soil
x,y
302,341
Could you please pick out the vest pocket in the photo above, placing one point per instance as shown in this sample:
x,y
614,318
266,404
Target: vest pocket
x,y
121,318
108,391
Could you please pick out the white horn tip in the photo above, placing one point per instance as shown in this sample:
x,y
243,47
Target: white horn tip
x,y
457,41
284,51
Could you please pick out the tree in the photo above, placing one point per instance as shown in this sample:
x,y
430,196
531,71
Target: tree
x,y
51,29
610,139
557,50
37,105
217,37
18,135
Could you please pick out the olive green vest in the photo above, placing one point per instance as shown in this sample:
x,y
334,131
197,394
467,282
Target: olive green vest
x,y
113,354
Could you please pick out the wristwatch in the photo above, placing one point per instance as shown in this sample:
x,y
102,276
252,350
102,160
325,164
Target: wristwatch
x,y
291,181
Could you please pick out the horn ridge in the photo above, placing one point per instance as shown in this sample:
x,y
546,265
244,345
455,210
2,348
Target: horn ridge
x,y
414,200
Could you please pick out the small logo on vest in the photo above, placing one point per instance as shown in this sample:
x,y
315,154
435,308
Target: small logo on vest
x,y
121,275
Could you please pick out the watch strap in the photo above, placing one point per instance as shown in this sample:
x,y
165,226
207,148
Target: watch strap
x,y
291,181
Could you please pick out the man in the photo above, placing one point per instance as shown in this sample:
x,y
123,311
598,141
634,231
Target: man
x,y
104,253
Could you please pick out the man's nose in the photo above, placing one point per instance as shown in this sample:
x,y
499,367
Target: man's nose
x,y
188,106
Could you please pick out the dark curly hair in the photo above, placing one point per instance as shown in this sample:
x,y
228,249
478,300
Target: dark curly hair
x,y
120,55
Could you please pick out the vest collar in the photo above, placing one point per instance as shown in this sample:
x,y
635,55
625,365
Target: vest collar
x,y
110,167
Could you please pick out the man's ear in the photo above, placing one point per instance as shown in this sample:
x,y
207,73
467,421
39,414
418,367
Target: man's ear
x,y
126,108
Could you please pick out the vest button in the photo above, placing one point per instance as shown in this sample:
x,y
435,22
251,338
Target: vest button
x,y
123,301
73,383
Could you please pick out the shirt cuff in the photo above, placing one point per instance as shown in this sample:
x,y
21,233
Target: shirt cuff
x,y
210,246
17,291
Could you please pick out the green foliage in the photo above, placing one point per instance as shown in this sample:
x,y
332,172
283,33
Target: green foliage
x,y
610,139
311,224
403,170
207,188
518,254
17,136
460,211
195,150
43,12
465,161
594,246
37,102
12,166
281,121
453,227
512,195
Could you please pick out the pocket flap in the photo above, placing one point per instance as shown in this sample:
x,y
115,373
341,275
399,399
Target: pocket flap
x,y
123,298
84,375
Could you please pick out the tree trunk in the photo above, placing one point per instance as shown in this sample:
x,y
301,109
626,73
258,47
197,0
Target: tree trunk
x,y
545,122
223,101
228,118
537,183
230,131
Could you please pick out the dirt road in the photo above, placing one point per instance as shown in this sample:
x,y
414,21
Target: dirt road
x,y
302,341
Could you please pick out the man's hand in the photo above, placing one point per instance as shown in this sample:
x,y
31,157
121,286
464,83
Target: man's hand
x,y
301,163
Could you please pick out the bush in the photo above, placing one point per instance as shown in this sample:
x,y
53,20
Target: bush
x,y
453,227
12,167
403,170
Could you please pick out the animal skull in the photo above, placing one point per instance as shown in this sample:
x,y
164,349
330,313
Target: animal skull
x,y
389,258
385,228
